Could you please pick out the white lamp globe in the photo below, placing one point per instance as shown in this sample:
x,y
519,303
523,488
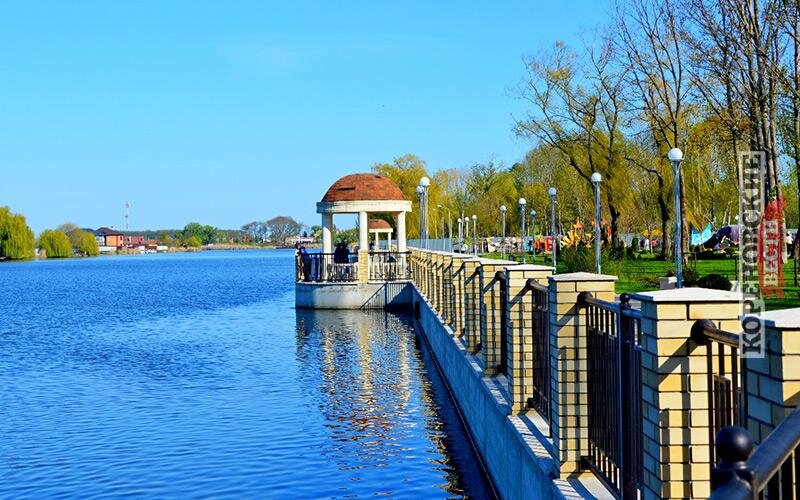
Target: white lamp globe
x,y
420,189
533,213
523,201
424,182
474,217
551,192
675,154
502,208
596,177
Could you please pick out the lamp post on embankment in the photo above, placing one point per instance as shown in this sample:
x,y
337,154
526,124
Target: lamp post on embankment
x,y
596,178
533,233
675,155
552,193
503,238
475,234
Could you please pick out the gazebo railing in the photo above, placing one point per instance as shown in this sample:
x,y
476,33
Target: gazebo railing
x,y
389,266
327,268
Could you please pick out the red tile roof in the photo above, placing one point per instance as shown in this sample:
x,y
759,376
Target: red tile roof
x,y
363,187
379,224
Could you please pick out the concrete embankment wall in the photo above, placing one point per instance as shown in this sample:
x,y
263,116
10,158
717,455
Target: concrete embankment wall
x,y
390,295
515,458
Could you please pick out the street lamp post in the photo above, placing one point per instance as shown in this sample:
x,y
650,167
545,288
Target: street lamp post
x,y
421,195
503,235
522,203
596,179
533,233
475,234
466,233
675,155
460,240
424,183
552,193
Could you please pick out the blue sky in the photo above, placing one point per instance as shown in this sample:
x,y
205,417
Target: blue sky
x,y
227,112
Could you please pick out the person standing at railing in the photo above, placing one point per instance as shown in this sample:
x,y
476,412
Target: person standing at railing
x,y
305,258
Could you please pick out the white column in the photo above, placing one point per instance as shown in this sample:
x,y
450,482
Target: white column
x,y
389,242
327,228
401,232
363,231
377,241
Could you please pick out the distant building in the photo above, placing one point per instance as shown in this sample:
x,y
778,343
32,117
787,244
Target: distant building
x,y
107,237
303,240
132,241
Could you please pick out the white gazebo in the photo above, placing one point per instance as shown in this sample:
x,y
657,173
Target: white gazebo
x,y
378,227
363,194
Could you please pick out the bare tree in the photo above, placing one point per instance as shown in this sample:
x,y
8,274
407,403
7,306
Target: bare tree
x,y
579,110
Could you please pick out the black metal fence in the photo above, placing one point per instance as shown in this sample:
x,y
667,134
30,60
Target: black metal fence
x,y
726,377
614,394
389,266
500,276
771,472
327,267
540,299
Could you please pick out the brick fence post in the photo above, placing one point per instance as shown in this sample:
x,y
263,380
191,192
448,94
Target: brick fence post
x,y
472,304
457,297
773,382
446,274
519,311
491,313
568,368
675,406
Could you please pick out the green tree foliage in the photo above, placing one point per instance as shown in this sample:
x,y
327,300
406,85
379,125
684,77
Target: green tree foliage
x,y
82,241
55,244
406,171
193,241
206,234
17,241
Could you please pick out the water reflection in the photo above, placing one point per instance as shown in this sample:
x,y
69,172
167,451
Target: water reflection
x,y
385,407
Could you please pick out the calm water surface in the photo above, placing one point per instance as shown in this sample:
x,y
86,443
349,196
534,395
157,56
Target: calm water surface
x,y
194,376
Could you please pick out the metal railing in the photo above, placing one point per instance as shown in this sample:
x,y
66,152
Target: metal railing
x,y
726,374
327,267
614,393
540,340
389,266
771,472
500,276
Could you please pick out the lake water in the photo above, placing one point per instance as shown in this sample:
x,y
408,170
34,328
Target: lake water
x,y
192,375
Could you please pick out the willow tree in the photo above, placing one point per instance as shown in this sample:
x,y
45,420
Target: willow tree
x,y
406,171
17,241
55,244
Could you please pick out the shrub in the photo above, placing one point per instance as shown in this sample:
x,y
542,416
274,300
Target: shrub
x,y
617,252
578,259
714,281
690,276
630,253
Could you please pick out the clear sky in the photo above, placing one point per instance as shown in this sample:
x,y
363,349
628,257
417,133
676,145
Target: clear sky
x,y
227,112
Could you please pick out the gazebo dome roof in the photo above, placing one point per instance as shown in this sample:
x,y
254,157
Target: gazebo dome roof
x,y
363,187
378,224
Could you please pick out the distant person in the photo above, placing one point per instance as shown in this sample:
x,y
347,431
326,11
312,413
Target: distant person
x,y
340,253
305,258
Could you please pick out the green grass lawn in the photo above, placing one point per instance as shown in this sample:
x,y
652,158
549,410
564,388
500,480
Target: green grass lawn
x,y
639,275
